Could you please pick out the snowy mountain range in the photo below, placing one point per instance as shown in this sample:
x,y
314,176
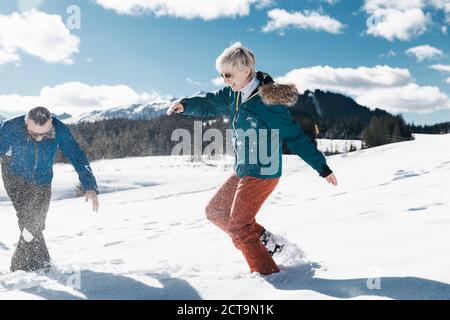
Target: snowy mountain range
x,y
331,106
133,112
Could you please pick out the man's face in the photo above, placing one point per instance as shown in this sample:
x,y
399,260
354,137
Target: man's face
x,y
37,132
236,79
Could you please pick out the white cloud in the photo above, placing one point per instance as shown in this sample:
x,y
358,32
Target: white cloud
x,y
263,4
441,67
400,19
26,5
425,52
410,98
392,89
193,82
403,19
280,19
331,2
37,33
390,54
348,80
442,5
77,97
218,82
8,55
206,10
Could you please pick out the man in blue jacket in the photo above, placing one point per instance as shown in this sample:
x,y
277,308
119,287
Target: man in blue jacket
x,y
28,145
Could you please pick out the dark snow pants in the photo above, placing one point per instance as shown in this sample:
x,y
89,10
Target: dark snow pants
x,y
233,209
31,202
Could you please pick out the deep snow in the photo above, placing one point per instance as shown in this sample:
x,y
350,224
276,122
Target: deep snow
x,y
382,233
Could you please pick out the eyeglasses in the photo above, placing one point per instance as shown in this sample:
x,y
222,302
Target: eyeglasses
x,y
49,134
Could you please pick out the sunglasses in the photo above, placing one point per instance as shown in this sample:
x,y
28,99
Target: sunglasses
x,y
227,76
49,134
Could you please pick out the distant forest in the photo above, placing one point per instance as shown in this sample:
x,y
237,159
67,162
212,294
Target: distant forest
x,y
440,128
119,138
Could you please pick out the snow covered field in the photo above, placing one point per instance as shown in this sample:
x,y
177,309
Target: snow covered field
x,y
384,232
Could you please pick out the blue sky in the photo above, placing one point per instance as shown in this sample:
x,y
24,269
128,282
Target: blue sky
x,y
393,55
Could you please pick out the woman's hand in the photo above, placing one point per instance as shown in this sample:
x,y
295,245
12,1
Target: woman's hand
x,y
331,179
177,108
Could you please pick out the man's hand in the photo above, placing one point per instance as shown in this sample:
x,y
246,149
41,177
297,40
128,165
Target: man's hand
x,y
332,179
177,108
92,195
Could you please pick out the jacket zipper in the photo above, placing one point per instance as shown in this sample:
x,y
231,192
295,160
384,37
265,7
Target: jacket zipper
x,y
237,110
237,106
236,114
36,154
237,103
234,122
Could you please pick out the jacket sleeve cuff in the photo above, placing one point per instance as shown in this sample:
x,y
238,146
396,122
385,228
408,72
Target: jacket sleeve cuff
x,y
182,102
325,171
92,188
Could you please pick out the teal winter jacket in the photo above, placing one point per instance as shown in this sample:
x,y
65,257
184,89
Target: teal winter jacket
x,y
259,126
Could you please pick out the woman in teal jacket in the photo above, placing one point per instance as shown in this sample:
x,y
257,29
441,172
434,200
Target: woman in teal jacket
x,y
260,122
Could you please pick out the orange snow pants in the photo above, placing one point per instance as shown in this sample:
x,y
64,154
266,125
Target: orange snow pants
x,y
233,209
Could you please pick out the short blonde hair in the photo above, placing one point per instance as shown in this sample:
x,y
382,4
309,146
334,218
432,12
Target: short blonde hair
x,y
236,56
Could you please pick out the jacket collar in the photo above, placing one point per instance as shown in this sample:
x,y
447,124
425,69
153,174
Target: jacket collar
x,y
273,93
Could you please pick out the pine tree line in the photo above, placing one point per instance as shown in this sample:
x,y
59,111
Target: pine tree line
x,y
440,128
121,138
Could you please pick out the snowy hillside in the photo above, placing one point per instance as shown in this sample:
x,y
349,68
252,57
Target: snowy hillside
x,y
382,233
133,112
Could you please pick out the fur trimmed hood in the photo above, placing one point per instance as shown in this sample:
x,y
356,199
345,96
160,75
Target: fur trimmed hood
x,y
275,93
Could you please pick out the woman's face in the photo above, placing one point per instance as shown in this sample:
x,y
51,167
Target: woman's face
x,y
237,79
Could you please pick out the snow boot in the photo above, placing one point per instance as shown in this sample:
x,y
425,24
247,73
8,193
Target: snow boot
x,y
269,242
